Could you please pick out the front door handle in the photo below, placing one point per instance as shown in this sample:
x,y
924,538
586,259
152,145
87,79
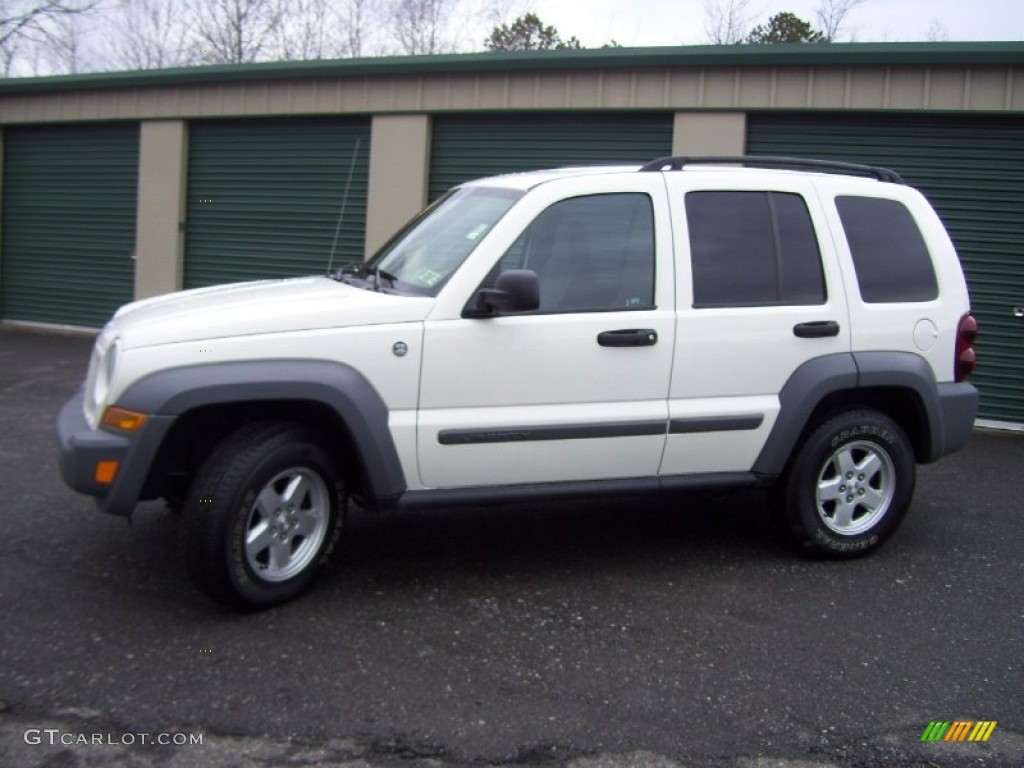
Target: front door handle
x,y
816,330
632,337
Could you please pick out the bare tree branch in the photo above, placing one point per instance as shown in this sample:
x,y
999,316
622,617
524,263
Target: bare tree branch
x,y
65,48
420,26
832,15
304,31
150,34
726,21
34,22
357,22
236,31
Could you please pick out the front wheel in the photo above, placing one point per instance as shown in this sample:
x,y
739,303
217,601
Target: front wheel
x,y
262,514
848,487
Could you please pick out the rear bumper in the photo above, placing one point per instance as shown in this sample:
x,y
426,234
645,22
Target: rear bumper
x,y
958,404
82,447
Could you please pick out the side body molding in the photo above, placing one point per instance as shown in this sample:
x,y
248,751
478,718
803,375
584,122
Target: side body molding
x,y
173,392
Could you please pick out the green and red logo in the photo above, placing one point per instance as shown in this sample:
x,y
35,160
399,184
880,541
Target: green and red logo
x,y
958,730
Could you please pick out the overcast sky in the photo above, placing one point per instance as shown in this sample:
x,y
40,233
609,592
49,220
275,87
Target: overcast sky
x,y
675,22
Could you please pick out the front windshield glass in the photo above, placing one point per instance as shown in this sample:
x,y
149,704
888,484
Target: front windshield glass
x,y
422,256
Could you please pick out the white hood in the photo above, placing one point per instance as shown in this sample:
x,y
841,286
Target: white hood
x,y
265,306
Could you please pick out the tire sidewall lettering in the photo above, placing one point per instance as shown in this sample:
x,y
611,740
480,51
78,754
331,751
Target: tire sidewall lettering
x,y
866,430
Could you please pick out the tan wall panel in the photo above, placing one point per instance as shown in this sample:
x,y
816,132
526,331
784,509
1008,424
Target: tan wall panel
x,y
408,93
792,88
617,91
399,170
651,88
159,243
461,92
946,88
866,88
491,91
552,91
709,133
757,89
978,88
988,88
720,88
828,89
907,87
584,90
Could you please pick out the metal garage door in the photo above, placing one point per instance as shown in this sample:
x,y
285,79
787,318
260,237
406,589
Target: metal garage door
x,y
264,197
470,146
68,228
972,169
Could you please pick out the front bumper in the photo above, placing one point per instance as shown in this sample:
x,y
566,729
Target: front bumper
x,y
82,447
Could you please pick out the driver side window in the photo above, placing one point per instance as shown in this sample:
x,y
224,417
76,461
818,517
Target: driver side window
x,y
591,253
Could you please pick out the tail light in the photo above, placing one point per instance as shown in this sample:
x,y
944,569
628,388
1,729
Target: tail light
x,y
966,333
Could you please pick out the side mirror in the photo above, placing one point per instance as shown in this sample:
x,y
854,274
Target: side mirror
x,y
516,290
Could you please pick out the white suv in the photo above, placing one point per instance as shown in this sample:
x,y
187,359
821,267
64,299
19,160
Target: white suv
x,y
687,324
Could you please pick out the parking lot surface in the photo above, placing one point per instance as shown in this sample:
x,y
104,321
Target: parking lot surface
x,y
617,633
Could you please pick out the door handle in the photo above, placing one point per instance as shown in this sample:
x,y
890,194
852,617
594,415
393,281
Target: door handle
x,y
816,330
632,337
1018,311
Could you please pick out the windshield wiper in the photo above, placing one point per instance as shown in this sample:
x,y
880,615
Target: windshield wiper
x,y
359,274
378,273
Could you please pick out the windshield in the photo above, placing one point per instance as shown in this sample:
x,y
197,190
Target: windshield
x,y
423,255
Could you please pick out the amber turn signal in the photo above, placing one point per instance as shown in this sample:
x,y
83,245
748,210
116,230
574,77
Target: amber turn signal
x,y
106,471
122,418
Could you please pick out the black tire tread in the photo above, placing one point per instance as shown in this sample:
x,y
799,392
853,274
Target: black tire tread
x,y
783,496
204,530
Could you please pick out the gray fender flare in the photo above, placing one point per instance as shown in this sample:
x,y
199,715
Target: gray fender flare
x,y
817,378
347,392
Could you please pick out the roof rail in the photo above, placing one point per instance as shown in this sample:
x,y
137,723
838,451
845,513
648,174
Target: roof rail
x,y
769,161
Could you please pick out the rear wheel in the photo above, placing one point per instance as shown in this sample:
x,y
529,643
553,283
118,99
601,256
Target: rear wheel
x,y
262,514
848,487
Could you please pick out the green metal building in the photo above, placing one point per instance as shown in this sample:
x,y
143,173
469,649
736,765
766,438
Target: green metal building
x,y
126,185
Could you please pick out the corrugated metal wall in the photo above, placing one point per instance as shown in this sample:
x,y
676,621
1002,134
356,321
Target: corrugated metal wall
x,y
69,203
972,170
264,197
471,146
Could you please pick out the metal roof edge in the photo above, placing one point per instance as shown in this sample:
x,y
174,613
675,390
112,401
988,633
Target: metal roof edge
x,y
791,54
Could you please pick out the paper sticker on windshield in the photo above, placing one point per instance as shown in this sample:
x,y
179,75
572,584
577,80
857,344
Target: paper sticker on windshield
x,y
429,278
476,232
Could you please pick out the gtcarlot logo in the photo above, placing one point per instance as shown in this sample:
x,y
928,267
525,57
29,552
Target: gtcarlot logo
x,y
55,736
958,730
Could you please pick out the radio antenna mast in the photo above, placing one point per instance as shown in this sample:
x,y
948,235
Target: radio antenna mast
x,y
344,203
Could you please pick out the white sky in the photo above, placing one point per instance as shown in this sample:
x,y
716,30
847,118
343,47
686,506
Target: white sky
x,y
675,22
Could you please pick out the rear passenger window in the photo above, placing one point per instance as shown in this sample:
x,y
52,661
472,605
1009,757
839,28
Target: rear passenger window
x,y
753,249
889,252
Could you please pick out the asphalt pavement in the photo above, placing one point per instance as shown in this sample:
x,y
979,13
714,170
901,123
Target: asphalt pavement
x,y
592,635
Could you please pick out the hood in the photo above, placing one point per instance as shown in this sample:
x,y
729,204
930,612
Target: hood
x,y
261,307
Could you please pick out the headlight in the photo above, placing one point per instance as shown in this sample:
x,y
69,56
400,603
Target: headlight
x,y
97,385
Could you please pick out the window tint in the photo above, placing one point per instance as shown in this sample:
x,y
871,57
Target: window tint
x,y
889,253
753,248
590,253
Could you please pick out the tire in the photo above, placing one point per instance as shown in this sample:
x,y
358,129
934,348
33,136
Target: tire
x,y
263,513
848,487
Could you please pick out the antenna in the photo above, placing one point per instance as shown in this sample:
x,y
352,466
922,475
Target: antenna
x,y
344,203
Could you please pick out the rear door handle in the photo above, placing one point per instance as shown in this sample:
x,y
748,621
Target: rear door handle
x,y
816,330
632,337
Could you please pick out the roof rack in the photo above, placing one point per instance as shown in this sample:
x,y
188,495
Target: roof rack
x,y
771,161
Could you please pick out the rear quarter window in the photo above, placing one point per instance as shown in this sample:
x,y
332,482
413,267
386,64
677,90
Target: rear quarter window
x,y
889,253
